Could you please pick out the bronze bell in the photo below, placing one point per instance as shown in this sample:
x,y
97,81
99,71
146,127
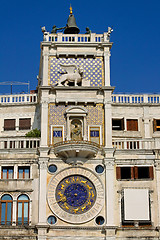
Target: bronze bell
x,y
71,27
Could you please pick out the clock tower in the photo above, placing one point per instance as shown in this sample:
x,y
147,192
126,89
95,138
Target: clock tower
x,y
76,163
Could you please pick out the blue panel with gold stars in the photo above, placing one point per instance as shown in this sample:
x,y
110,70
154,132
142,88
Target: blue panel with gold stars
x,y
92,69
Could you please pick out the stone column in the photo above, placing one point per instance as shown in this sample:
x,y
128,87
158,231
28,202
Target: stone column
x,y
85,129
14,210
147,132
157,176
107,67
68,129
44,123
45,55
42,189
109,191
108,124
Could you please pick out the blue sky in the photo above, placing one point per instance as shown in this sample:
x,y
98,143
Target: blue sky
x,y
135,55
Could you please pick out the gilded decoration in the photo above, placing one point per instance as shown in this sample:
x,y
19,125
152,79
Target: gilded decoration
x,y
92,67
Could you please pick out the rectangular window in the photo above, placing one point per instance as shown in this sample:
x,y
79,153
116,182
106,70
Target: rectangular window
x,y
118,124
24,123
132,124
57,134
9,124
128,173
156,125
23,172
7,173
94,134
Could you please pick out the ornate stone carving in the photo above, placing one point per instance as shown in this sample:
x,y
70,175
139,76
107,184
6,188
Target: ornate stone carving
x,y
73,74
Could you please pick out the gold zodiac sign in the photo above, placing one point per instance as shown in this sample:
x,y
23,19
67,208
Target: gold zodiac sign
x,y
89,202
83,181
60,194
67,181
83,208
76,210
89,187
62,186
73,179
65,204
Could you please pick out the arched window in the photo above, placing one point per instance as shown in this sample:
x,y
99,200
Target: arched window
x,y
6,204
23,210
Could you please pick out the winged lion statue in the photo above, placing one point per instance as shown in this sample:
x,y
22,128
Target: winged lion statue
x,y
73,74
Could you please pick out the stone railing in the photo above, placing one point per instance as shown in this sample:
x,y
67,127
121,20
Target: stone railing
x,y
135,144
70,142
18,98
75,38
19,143
136,98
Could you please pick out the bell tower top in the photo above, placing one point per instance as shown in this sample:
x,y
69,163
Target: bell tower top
x,y
71,27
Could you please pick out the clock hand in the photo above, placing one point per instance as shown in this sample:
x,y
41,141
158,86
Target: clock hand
x,y
62,199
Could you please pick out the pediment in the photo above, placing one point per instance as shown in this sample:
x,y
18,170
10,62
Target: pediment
x,y
76,110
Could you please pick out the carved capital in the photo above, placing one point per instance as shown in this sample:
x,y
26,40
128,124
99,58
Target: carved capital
x,y
43,162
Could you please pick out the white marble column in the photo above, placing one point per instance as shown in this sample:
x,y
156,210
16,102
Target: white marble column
x,y
108,125
14,210
44,124
146,120
157,176
42,189
109,191
45,55
68,129
85,129
107,67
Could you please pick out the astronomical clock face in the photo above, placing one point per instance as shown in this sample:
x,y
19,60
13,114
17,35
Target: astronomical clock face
x,y
75,195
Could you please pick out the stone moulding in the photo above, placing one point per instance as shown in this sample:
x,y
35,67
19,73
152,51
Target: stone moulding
x,y
72,151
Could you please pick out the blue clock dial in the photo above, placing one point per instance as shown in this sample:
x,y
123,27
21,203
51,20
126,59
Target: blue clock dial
x,y
75,194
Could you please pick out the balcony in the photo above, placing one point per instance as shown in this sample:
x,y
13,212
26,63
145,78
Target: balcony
x,y
19,143
75,38
136,144
18,99
71,150
136,98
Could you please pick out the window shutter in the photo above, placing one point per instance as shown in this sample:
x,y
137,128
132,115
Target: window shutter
x,y
151,172
132,125
122,124
118,173
154,125
132,173
24,123
136,172
9,124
